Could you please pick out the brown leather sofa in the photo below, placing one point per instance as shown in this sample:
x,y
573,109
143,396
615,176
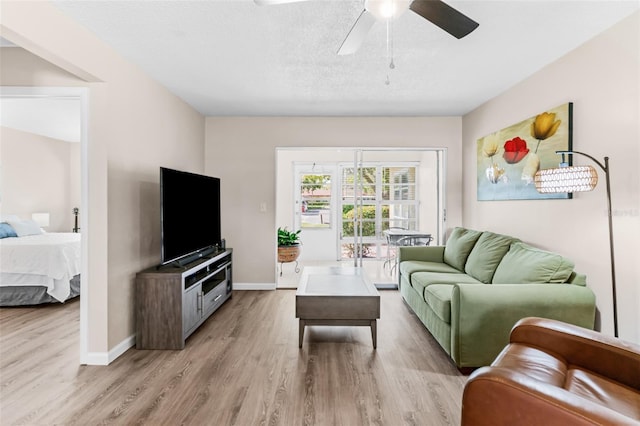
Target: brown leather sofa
x,y
553,373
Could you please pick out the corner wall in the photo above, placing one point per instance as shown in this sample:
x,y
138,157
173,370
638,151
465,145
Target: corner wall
x,y
602,79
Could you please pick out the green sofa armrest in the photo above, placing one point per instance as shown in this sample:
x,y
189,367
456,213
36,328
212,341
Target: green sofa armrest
x,y
422,253
482,316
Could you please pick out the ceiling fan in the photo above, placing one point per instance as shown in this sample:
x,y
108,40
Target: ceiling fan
x,y
435,11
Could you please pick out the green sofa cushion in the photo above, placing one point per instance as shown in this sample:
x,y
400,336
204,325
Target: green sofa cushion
x,y
438,297
486,255
421,280
577,279
459,245
526,264
410,266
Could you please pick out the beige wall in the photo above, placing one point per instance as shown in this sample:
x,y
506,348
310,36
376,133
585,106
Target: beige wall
x,y
135,126
602,80
39,174
241,151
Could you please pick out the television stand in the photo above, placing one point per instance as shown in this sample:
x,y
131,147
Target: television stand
x,y
172,303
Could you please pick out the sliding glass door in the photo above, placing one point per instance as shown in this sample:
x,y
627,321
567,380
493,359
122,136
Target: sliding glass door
x,y
375,197
343,199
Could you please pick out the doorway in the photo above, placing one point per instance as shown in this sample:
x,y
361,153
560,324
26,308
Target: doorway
x,y
343,199
81,94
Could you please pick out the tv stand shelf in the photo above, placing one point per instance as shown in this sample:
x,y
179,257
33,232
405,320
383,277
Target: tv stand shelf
x,y
171,302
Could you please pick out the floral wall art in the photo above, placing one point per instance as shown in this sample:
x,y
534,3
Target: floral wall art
x,y
509,158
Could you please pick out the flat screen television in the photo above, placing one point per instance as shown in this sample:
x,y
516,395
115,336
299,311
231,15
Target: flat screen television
x,y
189,215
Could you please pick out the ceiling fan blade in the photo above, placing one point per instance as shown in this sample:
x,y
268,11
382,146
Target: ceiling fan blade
x,y
270,2
357,34
444,16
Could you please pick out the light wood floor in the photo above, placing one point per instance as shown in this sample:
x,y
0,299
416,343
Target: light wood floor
x,y
242,367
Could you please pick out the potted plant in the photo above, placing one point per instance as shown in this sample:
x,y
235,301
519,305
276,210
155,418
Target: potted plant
x,y
288,245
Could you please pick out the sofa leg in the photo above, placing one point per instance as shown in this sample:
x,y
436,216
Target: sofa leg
x,y
467,370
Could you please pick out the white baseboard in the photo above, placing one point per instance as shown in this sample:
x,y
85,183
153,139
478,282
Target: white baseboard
x,y
254,286
106,358
96,358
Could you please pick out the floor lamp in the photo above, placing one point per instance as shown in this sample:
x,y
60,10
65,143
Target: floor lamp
x,y
578,179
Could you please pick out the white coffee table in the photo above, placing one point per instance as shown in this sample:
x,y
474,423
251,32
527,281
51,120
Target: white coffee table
x,y
337,296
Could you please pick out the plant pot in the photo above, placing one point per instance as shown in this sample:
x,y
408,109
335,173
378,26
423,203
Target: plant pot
x,y
288,253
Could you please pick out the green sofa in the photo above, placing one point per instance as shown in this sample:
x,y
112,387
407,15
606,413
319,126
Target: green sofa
x,y
470,292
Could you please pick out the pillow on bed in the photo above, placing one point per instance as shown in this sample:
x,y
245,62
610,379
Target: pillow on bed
x,y
25,227
6,231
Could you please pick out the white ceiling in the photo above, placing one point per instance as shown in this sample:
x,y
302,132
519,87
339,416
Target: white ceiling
x,y
233,57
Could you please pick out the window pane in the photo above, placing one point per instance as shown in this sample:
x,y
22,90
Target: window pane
x,y
348,192
400,216
367,178
367,175
347,220
368,219
315,192
399,183
347,176
368,191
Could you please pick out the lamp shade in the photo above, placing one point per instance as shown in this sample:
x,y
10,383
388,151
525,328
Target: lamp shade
x,y
42,219
566,179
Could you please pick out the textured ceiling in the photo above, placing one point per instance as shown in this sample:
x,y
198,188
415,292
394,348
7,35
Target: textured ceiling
x,y
232,57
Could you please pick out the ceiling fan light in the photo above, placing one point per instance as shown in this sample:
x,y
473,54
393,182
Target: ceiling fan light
x,y
384,10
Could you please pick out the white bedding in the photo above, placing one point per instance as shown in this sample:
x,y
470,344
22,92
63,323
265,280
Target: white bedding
x,y
49,259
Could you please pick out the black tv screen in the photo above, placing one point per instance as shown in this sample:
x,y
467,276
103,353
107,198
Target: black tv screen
x,y
190,213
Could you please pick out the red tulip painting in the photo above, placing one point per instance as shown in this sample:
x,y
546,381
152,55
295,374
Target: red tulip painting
x,y
509,158
515,150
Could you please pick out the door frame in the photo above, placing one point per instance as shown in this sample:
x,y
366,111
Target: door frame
x,y
284,157
82,94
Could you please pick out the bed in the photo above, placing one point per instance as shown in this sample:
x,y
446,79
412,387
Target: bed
x,y
37,269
